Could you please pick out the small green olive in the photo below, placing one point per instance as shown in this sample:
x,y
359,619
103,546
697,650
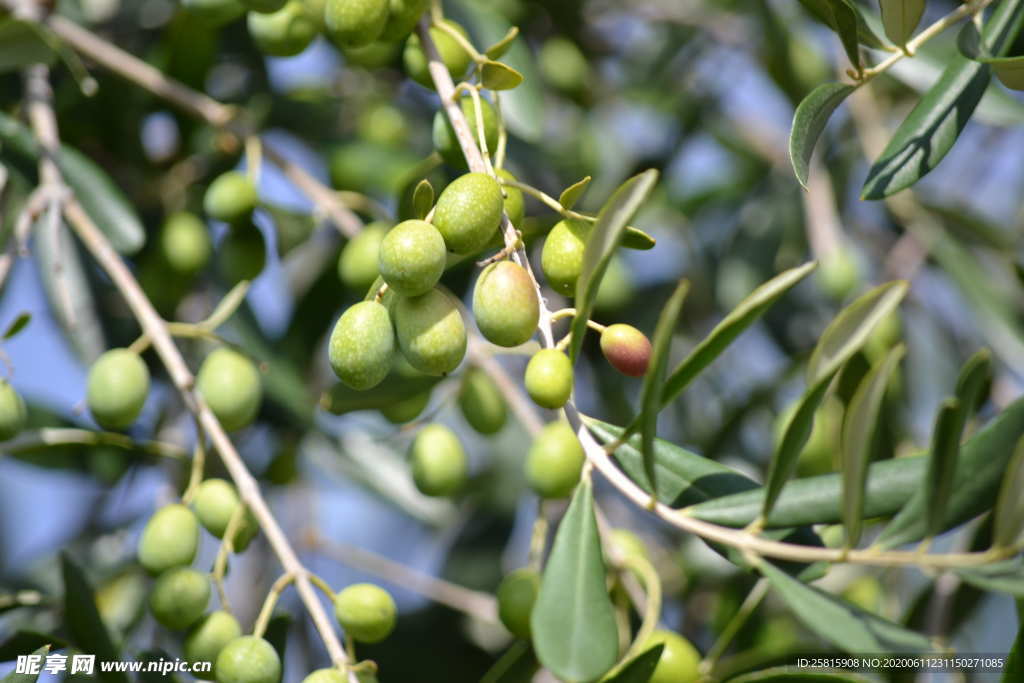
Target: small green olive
x,y
439,465
505,304
357,265
468,212
412,257
264,6
248,659
454,56
402,18
406,409
185,243
447,144
383,123
366,612
179,597
481,402
286,32
562,256
13,413
170,539
627,349
231,197
838,274
563,65
230,385
679,660
117,388
514,205
516,595
629,544
215,502
242,254
362,345
326,676
356,23
549,379
209,635
555,461
430,332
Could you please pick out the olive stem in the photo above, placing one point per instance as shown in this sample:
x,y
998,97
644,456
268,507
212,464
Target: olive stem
x,y
648,576
380,292
499,154
548,200
195,476
539,537
227,546
270,602
562,313
437,21
734,625
324,587
254,159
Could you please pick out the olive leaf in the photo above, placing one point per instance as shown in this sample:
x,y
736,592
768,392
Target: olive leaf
x,y
1009,70
942,457
501,47
83,620
1009,511
572,194
1003,577
22,45
498,76
15,677
640,668
422,199
792,674
291,227
1013,669
900,18
634,238
824,11
809,120
17,325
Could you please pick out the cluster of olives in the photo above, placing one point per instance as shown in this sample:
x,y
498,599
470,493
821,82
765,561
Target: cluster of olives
x,y
232,198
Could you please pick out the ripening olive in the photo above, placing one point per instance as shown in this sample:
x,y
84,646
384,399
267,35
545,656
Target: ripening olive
x,y
117,388
468,212
242,254
231,197
454,56
185,243
516,595
362,345
447,144
355,23
179,597
514,205
505,304
555,461
439,466
214,12
627,349
209,635
264,6
838,273
248,659
406,409
481,402
12,411
230,385
548,378
402,18
215,502
562,256
679,659
430,332
286,32
412,257
366,612
169,540
357,265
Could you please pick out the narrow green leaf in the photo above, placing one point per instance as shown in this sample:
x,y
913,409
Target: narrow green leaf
x,y
900,18
517,665
498,76
974,376
21,45
858,428
15,677
1009,511
22,641
501,47
83,621
291,227
17,325
654,378
1009,70
634,238
1013,671
809,120
573,621
340,399
945,448
572,194
604,238
843,624
823,11
1002,577
792,674
422,199
640,668
277,632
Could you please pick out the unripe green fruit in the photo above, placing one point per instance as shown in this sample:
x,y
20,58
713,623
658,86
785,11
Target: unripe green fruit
x,y
231,197
362,345
516,595
286,32
383,124
230,385
209,635
549,378
248,659
264,6
481,402
179,597
356,22
373,56
430,332
215,502
505,304
447,144
679,660
838,273
555,461
326,676
629,545
455,58
514,205
439,466
406,409
12,412
169,540
117,388
185,243
242,254
563,65
215,12
412,257
357,265
562,256
468,212
402,18
627,349
865,592
366,612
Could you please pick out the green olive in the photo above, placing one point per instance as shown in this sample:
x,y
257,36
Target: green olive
x,y
412,257
209,635
406,409
179,597
468,212
326,676
549,379
447,144
430,332
481,402
516,595
505,304
13,413
215,502
242,254
562,256
627,349
629,545
230,385
555,461
838,274
679,659
362,345
170,539
214,12
231,197
264,6
514,206
402,18
357,265
563,65
383,124
356,23
439,465
248,659
454,56
185,243
117,388
286,32
373,56
366,612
